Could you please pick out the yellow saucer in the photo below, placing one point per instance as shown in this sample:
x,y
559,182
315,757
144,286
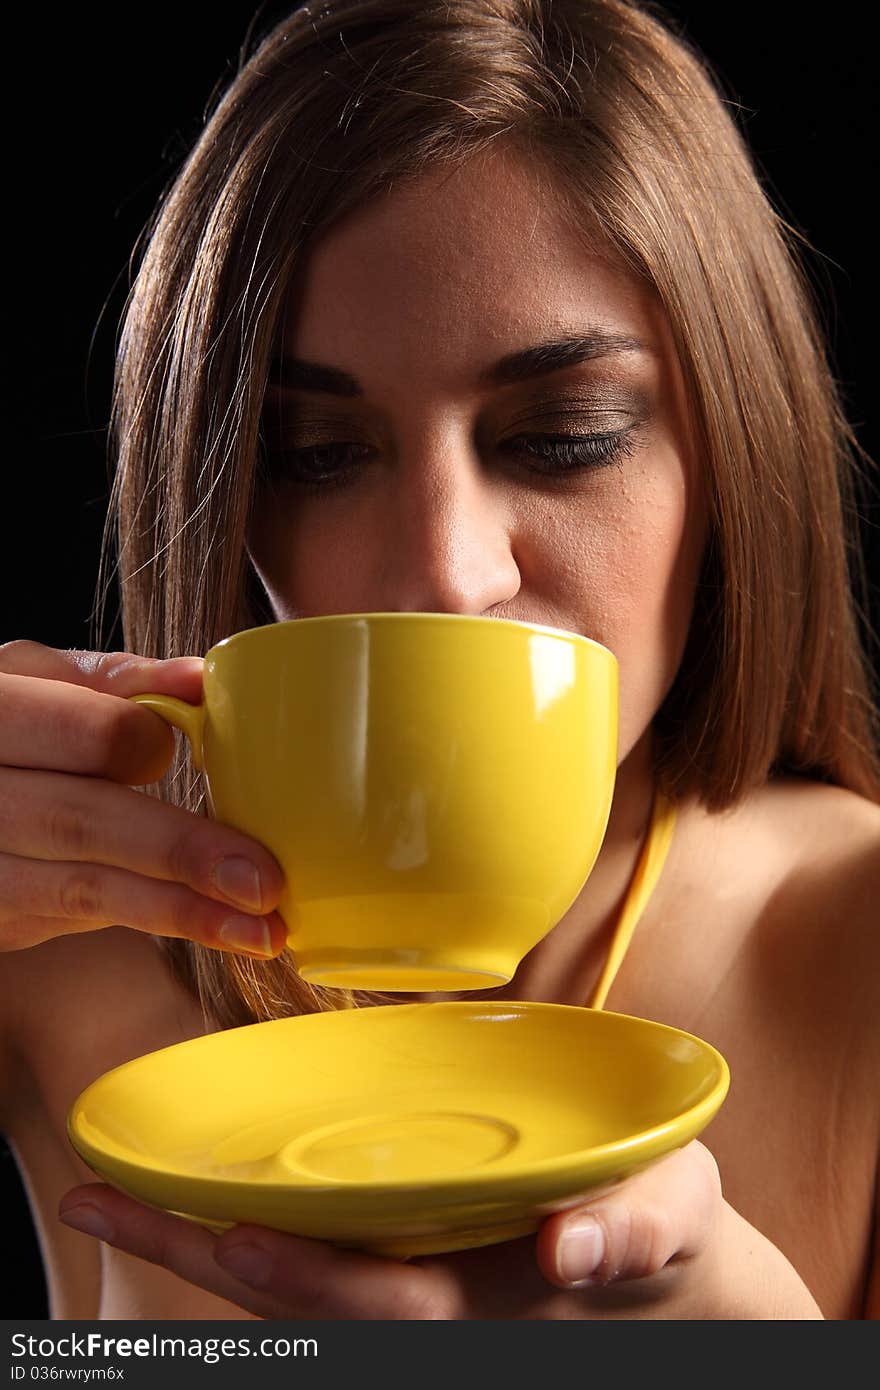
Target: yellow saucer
x,y
403,1129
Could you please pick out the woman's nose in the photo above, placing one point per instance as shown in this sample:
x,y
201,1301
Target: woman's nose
x,y
449,542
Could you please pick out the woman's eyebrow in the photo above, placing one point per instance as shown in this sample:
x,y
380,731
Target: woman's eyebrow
x,y
294,373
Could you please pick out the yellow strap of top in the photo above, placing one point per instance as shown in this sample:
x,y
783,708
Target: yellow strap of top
x,y
645,876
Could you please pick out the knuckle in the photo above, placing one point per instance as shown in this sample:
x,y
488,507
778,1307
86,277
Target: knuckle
x,y
80,894
106,663
68,832
105,667
638,1244
658,1243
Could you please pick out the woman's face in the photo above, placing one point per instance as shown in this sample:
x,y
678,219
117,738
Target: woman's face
x,y
459,480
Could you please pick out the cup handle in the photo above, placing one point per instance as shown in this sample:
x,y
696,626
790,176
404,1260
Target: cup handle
x,y
190,719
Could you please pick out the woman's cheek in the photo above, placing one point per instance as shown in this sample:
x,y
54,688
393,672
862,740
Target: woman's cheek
x,y
646,607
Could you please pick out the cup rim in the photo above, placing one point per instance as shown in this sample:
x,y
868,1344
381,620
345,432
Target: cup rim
x,y
563,633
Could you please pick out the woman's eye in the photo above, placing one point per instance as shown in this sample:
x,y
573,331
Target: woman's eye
x,y
316,467
320,467
567,453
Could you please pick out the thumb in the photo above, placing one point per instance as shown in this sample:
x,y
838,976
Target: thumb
x,y
666,1212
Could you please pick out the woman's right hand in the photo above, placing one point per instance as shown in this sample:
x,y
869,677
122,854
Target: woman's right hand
x,y
80,849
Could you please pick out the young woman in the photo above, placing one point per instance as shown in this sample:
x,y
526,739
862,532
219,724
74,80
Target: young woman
x,y
475,307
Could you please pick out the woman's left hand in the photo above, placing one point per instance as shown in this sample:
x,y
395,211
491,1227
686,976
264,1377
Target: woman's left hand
x,y
663,1244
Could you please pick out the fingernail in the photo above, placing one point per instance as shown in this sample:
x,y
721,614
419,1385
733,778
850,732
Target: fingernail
x,y
237,879
247,934
247,1262
84,1217
581,1250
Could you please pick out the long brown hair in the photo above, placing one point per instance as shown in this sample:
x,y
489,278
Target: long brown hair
x,y
337,104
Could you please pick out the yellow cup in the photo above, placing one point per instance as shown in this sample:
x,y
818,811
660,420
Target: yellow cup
x,y
435,787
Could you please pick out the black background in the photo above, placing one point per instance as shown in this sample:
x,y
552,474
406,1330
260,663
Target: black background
x,y
112,104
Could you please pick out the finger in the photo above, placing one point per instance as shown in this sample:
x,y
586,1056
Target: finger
x,y
40,900
318,1280
664,1214
180,1246
52,724
113,673
298,1277
56,816
78,731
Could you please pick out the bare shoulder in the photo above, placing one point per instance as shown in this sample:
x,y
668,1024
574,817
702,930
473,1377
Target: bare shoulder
x,y
832,838
821,923
774,906
796,840
790,877
839,811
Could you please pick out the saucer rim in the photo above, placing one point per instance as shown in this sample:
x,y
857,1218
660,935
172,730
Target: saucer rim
x,y
568,1167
